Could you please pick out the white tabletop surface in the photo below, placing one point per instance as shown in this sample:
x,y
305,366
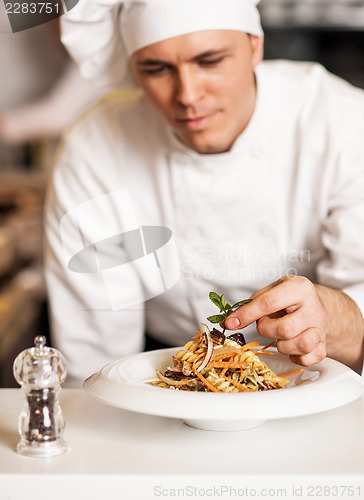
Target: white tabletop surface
x,y
150,456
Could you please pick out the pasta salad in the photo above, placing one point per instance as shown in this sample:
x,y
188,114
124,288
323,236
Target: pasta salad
x,y
213,362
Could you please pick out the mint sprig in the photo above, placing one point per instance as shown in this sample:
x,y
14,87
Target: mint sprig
x,y
224,307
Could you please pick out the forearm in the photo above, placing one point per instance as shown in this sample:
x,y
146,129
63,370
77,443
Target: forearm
x,y
345,338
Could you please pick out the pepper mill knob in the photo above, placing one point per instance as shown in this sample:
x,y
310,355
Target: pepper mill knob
x,y
40,341
40,371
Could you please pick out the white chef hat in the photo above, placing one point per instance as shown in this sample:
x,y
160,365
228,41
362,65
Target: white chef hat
x,y
101,35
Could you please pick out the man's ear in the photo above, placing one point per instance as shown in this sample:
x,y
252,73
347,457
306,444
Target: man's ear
x,y
257,43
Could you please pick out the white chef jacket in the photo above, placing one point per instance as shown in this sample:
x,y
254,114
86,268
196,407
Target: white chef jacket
x,y
288,198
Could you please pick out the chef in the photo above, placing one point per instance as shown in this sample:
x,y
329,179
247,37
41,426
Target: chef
x,y
220,173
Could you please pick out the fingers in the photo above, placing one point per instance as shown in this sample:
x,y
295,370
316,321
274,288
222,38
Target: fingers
x,y
285,327
289,325
290,311
311,358
287,294
301,345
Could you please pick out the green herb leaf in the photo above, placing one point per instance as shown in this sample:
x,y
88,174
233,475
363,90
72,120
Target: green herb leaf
x,y
223,302
223,306
218,318
216,299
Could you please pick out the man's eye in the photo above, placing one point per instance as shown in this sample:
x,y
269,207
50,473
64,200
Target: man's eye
x,y
211,62
154,70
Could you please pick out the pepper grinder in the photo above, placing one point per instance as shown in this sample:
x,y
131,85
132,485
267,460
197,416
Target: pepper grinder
x,y
40,371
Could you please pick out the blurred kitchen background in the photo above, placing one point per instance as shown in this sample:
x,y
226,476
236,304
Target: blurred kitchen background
x,y
41,93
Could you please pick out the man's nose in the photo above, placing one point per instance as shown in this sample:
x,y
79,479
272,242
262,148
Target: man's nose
x,y
189,87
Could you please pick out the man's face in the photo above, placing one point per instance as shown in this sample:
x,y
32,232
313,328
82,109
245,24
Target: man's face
x,y
202,84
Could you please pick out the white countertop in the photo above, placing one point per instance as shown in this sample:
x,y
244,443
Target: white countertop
x,y
140,453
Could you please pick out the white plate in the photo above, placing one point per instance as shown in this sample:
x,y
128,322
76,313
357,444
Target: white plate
x,y
326,385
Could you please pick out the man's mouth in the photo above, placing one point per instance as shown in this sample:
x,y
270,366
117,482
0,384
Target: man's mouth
x,y
195,122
